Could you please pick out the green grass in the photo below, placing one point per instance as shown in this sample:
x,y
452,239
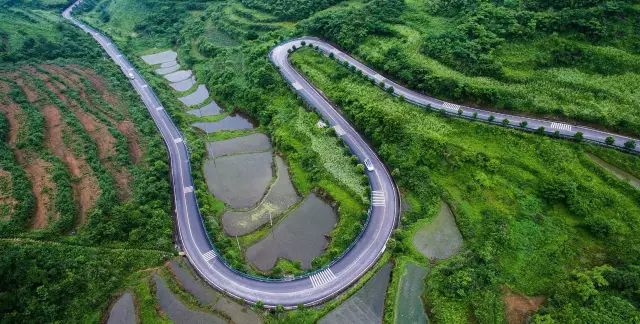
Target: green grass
x,y
494,179
601,91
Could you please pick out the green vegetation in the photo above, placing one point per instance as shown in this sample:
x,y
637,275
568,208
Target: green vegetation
x,y
538,217
85,200
560,59
567,218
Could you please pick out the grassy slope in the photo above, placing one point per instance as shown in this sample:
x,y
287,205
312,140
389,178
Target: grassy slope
x,y
493,179
571,92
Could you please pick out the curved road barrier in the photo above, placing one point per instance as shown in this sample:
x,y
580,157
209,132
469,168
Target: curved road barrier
x,y
310,289
530,124
317,287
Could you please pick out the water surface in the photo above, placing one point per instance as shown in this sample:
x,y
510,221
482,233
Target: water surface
x,y
176,310
184,85
178,75
123,310
299,237
209,109
196,98
410,308
239,180
208,297
252,143
280,197
167,70
440,238
161,57
231,122
366,306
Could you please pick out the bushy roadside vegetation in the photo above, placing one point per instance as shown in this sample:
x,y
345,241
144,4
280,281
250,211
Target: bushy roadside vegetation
x,y
537,215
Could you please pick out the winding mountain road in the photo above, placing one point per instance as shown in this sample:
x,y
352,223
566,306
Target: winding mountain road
x,y
310,289
322,285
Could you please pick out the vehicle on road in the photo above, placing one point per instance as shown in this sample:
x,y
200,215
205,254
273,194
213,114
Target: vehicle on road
x,y
368,165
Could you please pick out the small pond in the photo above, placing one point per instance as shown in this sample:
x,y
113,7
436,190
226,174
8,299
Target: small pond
x,y
366,306
123,310
299,237
162,57
240,180
196,98
176,310
231,122
252,143
440,238
184,85
178,75
280,197
209,109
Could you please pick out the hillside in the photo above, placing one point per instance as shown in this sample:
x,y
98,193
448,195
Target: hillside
x,y
85,200
548,228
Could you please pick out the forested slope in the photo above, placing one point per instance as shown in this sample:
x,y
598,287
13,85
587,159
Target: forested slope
x,y
85,200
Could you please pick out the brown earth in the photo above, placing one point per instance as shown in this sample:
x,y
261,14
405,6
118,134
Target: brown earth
x,y
85,188
129,130
13,113
100,133
519,308
31,94
97,82
43,187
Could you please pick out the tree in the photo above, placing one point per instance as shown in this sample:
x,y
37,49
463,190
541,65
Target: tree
x,y
540,130
460,111
578,136
505,122
630,145
491,118
524,124
475,115
610,140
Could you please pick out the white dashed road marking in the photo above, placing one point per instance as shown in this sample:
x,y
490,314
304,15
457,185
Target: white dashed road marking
x,y
561,126
322,277
451,106
209,255
377,198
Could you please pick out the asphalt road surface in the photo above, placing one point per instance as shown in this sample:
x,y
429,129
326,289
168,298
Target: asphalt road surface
x,y
310,289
